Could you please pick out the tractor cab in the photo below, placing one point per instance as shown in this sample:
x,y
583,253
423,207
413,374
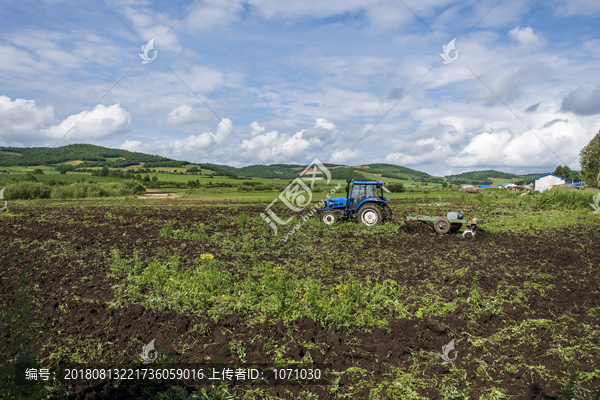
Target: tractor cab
x,y
364,201
363,192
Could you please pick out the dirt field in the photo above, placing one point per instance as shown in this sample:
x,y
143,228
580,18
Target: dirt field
x,y
377,305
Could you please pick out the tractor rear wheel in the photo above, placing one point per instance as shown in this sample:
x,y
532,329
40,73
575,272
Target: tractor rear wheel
x,y
329,218
370,216
441,225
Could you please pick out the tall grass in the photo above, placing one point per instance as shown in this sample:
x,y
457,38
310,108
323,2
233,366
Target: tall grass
x,y
566,199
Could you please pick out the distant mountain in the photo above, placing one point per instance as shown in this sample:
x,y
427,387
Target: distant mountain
x,y
89,155
483,177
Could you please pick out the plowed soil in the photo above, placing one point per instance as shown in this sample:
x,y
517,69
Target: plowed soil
x,y
555,299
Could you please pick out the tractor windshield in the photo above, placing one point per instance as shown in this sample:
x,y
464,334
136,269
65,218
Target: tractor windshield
x,y
371,191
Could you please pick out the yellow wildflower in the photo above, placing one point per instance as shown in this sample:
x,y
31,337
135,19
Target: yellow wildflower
x,y
207,256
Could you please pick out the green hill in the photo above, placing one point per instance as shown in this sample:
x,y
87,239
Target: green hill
x,y
486,177
88,153
398,172
92,156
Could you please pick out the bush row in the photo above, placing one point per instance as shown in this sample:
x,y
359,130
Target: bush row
x,y
28,190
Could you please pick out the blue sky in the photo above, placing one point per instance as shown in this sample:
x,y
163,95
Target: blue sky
x,y
298,80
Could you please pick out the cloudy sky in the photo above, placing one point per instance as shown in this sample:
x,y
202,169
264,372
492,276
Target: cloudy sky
x,y
242,82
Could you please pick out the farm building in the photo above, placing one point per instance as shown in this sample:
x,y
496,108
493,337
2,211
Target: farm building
x,y
545,182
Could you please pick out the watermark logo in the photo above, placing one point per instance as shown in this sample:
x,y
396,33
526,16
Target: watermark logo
x,y
447,49
446,353
594,205
6,202
297,196
309,214
145,50
146,350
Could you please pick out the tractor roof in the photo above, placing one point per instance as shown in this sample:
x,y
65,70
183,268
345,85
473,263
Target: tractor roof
x,y
368,182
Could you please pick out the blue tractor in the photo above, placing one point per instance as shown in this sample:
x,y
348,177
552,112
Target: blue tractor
x,y
364,202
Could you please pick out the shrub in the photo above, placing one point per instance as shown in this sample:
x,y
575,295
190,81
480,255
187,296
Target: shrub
x,y
81,190
263,187
26,190
395,187
30,177
243,220
132,187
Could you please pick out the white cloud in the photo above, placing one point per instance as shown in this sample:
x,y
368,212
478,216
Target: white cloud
x,y
322,123
522,148
435,155
207,145
185,114
485,148
21,120
344,156
212,14
523,35
275,147
223,130
152,25
200,144
102,121
576,7
256,129
131,145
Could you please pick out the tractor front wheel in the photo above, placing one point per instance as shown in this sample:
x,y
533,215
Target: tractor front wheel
x,y
329,217
441,226
370,216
